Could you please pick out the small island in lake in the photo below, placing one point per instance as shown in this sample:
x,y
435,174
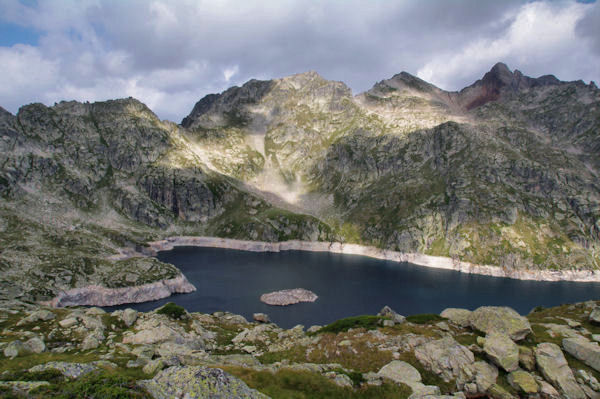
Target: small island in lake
x,y
288,297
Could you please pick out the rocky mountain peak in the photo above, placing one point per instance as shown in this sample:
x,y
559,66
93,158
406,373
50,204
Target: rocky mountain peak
x,y
499,76
217,110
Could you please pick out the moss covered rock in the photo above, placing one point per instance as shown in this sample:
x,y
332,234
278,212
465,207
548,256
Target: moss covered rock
x,y
198,382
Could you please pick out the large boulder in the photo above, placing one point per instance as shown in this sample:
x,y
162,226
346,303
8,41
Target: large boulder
x,y
153,336
460,317
402,372
595,315
502,351
584,350
261,317
129,316
555,369
35,345
500,319
485,375
523,382
526,358
71,370
68,322
448,359
38,315
15,348
396,318
198,382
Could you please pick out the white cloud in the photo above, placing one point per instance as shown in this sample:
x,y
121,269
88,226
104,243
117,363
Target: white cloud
x,y
25,73
169,54
228,73
537,41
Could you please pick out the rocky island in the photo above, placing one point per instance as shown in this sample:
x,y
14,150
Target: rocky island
x,y
288,297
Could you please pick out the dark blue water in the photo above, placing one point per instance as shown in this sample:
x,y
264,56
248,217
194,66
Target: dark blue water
x,y
347,285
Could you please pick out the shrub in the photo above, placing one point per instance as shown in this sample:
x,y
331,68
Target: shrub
x,y
103,384
367,322
424,318
172,310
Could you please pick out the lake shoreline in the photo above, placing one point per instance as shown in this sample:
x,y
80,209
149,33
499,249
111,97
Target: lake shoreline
x,y
438,262
95,295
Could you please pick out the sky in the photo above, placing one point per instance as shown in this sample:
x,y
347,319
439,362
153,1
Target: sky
x,y
170,53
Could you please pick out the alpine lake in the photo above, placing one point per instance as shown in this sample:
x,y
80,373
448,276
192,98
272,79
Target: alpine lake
x,y
347,285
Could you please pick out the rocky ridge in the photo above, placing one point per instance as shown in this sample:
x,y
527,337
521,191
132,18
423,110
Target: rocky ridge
x,y
503,174
550,353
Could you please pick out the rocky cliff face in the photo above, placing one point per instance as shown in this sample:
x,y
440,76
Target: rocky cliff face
x,y
504,172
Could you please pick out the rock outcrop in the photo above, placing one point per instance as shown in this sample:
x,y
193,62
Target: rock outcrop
x,y
502,351
102,296
181,355
448,359
584,350
197,383
490,319
554,368
271,161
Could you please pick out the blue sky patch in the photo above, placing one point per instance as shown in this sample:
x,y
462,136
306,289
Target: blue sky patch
x,y
11,34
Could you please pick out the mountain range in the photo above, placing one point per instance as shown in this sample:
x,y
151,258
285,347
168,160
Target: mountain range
x,y
503,172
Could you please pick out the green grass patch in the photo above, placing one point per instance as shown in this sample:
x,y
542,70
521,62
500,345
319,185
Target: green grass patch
x,y
425,318
304,385
101,385
367,322
172,310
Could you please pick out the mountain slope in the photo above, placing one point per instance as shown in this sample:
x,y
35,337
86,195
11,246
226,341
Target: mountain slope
x,y
80,180
504,172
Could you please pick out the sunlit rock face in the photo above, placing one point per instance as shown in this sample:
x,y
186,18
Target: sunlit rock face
x,y
503,172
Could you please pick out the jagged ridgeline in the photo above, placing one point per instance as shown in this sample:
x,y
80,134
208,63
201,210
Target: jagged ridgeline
x,y
504,172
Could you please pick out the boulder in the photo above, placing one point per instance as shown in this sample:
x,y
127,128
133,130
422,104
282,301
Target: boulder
x,y
500,319
396,318
485,375
95,311
502,351
14,349
38,315
68,322
523,382
448,359
90,342
71,370
497,392
400,371
421,391
261,317
526,358
584,350
92,323
21,387
195,382
153,366
129,316
594,317
555,369
153,336
460,317
35,345
548,391
341,380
